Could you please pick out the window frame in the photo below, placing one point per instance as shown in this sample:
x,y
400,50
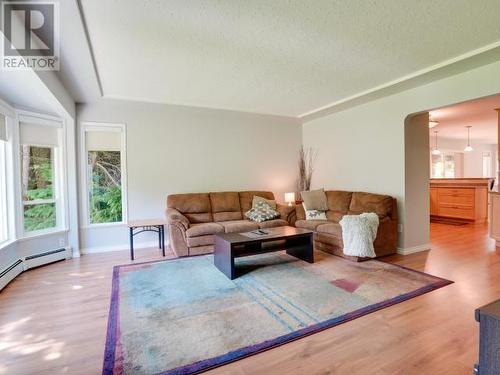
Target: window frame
x,y
487,156
85,201
4,190
55,192
58,174
9,175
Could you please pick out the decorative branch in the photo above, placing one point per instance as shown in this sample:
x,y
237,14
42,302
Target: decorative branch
x,y
307,158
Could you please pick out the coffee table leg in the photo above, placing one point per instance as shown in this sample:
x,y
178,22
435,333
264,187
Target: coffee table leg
x,y
303,252
223,258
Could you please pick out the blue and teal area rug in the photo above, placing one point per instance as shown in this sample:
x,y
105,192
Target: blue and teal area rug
x,y
183,316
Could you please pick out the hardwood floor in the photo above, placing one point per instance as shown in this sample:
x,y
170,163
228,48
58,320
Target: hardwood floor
x,y
53,319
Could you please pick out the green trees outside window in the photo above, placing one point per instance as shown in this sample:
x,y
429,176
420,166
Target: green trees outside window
x,y
104,181
38,188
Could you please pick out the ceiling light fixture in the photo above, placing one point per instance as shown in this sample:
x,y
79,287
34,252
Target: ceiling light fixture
x,y
433,123
468,148
435,150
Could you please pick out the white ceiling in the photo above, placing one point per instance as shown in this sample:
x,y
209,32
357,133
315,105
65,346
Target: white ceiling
x,y
25,91
77,70
278,57
480,114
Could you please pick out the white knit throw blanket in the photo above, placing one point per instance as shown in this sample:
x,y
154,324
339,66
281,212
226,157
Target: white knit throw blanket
x,y
358,234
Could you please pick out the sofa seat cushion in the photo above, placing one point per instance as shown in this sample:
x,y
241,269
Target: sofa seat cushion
x,y
239,226
334,216
309,224
331,228
273,223
196,230
205,240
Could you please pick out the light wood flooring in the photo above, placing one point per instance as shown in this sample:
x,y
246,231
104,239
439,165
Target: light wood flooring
x,y
53,318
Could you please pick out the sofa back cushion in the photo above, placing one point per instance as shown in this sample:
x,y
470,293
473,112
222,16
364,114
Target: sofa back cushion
x,y
196,206
246,198
225,206
338,200
368,202
338,204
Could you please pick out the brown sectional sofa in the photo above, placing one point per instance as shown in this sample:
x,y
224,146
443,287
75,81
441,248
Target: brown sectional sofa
x,y
193,219
328,233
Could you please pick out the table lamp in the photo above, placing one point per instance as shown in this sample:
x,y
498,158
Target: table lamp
x,y
290,198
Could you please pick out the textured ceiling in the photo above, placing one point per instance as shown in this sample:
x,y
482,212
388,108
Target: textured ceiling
x,y
278,57
480,114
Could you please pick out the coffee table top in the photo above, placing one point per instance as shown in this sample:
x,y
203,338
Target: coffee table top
x,y
277,233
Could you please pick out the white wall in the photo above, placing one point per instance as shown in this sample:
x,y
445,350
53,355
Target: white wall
x,y
417,173
362,148
43,94
176,149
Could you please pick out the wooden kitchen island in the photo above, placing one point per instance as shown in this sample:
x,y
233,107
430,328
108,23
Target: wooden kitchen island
x,y
463,199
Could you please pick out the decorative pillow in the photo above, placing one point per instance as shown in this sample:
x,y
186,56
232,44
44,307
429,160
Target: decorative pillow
x,y
262,212
257,199
315,200
314,214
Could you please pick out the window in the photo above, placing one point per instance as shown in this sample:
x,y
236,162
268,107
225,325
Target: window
x,y
37,186
449,165
40,185
105,186
487,164
104,173
444,165
437,166
4,217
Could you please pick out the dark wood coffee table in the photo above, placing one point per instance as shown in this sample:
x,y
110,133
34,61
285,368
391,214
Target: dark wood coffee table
x,y
228,246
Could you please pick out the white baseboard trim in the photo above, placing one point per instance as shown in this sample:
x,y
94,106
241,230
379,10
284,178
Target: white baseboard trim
x,y
10,273
122,247
414,249
41,259
34,260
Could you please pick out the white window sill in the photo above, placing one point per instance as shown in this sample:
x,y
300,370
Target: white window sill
x,y
7,243
41,234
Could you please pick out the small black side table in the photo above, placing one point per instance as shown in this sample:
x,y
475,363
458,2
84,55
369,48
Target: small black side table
x,y
488,317
153,225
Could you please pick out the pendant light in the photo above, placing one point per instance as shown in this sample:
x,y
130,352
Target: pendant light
x,y
433,123
435,150
468,148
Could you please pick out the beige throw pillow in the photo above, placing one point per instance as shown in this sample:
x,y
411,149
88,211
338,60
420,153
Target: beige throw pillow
x,y
257,199
315,200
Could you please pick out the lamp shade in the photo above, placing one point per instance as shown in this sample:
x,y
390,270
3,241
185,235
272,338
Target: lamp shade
x,y
289,197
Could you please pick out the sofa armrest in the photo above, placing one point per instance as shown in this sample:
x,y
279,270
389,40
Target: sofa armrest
x,y
287,213
175,217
